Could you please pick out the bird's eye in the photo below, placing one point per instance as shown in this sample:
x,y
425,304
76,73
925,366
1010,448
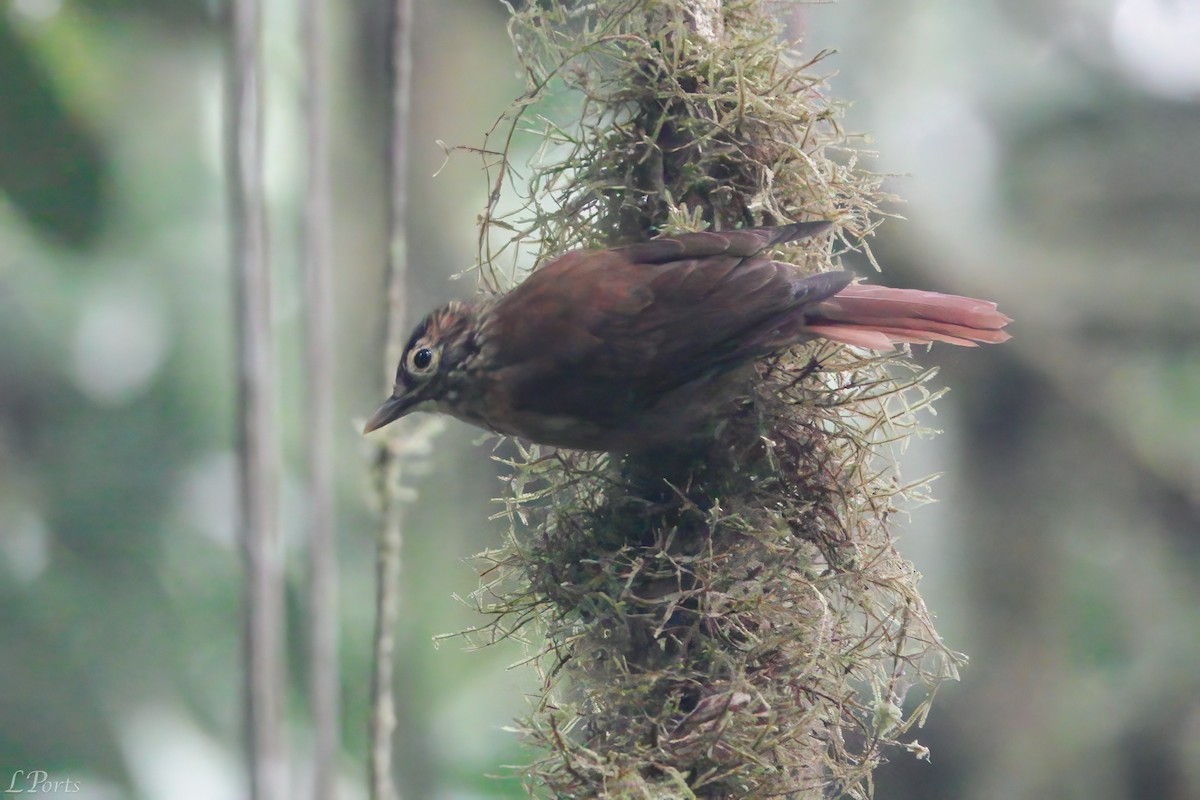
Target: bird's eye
x,y
422,360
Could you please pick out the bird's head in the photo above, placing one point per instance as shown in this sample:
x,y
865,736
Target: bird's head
x,y
431,371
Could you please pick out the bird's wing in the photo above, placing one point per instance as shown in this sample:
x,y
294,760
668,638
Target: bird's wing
x,y
597,332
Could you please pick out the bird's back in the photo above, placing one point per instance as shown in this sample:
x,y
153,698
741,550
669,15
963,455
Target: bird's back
x,y
600,333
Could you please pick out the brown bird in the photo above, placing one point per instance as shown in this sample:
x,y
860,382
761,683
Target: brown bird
x,y
636,347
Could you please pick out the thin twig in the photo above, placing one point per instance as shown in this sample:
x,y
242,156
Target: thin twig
x,y
258,436
319,374
383,716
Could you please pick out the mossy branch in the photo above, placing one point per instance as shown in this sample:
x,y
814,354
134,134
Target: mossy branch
x,y
731,621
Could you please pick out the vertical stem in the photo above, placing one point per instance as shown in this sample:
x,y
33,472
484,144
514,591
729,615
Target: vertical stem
x,y
318,290
383,717
258,437
398,213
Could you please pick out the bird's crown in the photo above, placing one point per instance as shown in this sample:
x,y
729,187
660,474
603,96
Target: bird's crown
x,y
438,344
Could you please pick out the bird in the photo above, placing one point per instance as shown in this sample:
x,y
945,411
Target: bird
x,y
638,347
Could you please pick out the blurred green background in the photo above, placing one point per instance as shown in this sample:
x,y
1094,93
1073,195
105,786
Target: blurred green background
x,y
1050,156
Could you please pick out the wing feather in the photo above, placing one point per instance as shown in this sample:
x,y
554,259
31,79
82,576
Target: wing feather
x,y
625,331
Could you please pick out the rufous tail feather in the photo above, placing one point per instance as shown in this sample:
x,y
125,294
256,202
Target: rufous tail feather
x,y
878,317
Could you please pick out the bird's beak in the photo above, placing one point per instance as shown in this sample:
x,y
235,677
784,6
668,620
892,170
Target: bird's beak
x,y
392,409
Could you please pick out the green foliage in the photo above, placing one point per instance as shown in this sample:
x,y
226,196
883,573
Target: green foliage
x,y
52,167
731,621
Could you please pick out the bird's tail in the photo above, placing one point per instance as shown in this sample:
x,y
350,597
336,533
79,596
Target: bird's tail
x,y
878,317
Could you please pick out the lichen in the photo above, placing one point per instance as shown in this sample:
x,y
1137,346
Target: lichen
x,y
730,619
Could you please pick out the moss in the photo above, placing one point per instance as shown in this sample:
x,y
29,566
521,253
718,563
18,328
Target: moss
x,y
733,620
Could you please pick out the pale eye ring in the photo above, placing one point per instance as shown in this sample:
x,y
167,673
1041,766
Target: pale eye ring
x,y
422,360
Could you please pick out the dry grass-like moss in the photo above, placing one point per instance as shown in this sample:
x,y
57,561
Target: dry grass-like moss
x,y
730,621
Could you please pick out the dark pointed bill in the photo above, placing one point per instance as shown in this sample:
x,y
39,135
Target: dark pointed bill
x,y
392,409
